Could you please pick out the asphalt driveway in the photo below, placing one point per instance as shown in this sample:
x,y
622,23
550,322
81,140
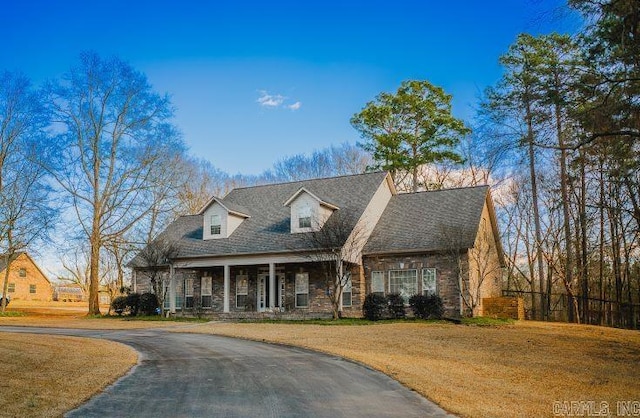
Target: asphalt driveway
x,y
195,375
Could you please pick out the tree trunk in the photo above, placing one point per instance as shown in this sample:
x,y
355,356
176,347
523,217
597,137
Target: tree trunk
x,y
536,215
5,284
564,188
94,274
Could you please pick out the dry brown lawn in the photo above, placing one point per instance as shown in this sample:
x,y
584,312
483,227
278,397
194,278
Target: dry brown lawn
x,y
45,376
498,371
70,315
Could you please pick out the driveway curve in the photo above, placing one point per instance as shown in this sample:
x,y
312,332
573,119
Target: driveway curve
x,y
196,375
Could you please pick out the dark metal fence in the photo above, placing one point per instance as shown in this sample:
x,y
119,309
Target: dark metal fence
x,y
593,311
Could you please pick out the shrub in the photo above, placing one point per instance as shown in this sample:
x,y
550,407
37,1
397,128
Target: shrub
x,y
426,307
395,305
119,305
133,303
148,304
374,307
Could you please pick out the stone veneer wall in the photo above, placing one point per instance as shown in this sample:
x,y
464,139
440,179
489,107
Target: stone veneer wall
x,y
319,302
446,274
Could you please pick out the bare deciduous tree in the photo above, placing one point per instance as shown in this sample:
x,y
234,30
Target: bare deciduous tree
x,y
25,215
154,261
335,245
114,137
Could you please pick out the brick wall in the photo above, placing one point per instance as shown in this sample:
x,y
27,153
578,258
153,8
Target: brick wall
x,y
504,307
446,274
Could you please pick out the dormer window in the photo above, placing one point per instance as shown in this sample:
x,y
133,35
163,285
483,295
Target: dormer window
x,y
304,217
221,218
216,225
308,211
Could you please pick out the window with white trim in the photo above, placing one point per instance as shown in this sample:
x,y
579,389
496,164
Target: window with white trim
x,y
216,225
347,292
403,282
167,294
206,288
242,290
429,281
188,293
304,217
377,282
179,294
302,290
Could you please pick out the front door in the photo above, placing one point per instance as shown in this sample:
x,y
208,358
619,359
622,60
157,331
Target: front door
x,y
263,291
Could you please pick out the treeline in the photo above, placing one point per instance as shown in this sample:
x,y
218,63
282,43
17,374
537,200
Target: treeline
x,y
566,117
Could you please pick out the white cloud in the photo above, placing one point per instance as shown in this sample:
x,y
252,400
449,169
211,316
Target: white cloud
x,y
275,101
295,106
270,100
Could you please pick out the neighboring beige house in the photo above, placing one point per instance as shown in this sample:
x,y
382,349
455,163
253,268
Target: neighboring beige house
x,y
26,280
244,254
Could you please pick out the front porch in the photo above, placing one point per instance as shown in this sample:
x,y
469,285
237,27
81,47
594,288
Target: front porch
x,y
295,290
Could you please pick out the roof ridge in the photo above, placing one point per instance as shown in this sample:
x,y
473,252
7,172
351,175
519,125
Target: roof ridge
x,y
306,180
480,186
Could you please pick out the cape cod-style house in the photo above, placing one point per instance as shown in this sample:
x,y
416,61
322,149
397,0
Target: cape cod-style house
x,y
242,254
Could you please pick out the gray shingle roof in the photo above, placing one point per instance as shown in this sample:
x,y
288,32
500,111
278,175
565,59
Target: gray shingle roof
x,y
430,221
268,228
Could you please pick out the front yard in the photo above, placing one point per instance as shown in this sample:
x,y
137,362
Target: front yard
x,y
489,371
45,376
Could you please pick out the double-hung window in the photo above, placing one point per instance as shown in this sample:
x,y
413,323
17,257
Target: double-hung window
x,y
377,282
32,288
302,290
188,293
216,225
242,290
12,288
347,292
304,217
166,293
205,291
403,282
429,281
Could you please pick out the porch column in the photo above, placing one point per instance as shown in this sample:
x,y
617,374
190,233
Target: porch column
x,y
227,281
272,285
172,289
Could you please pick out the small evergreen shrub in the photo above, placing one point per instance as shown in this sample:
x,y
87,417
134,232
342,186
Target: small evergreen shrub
x,y
133,303
148,304
119,305
395,305
374,307
426,307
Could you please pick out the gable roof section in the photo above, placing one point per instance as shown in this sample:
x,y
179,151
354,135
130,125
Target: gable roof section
x,y
268,228
304,190
230,207
3,264
426,221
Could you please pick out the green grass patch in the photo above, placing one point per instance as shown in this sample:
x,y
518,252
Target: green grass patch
x,y
12,314
482,321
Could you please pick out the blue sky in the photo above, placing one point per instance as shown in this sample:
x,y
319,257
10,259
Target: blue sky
x,y
255,81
